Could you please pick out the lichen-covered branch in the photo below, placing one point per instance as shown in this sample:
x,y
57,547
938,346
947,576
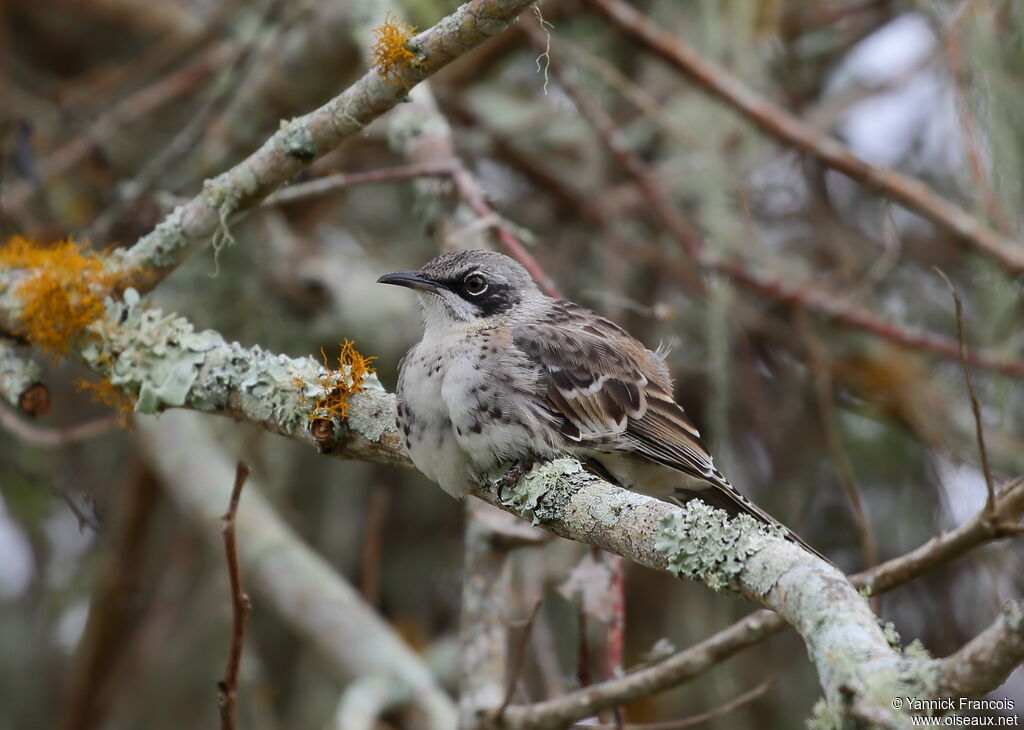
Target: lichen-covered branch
x,y
306,138
855,662
290,577
694,660
161,362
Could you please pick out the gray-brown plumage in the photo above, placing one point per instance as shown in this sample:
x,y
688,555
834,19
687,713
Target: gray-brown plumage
x,y
506,373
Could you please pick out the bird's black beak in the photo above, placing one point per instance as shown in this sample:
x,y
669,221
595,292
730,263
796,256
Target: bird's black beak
x,y
411,279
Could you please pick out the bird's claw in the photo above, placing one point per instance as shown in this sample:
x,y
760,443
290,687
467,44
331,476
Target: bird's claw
x,y
515,472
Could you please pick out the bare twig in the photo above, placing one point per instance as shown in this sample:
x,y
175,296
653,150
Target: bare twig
x,y
615,638
55,437
821,302
692,720
373,535
341,180
183,142
291,578
975,406
786,127
227,688
617,144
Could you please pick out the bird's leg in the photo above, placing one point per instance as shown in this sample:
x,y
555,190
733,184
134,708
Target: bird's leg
x,y
519,467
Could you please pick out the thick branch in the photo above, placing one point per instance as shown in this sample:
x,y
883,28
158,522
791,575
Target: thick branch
x,y
855,663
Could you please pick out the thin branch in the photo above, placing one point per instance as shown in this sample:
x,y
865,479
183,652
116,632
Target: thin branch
x,y
329,184
142,102
985,662
96,675
185,140
241,607
979,429
786,127
617,144
692,720
55,437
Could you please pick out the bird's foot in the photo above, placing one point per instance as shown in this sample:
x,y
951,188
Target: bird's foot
x,y
515,472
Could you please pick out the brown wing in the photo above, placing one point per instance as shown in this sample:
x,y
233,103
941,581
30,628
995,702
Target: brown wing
x,y
611,391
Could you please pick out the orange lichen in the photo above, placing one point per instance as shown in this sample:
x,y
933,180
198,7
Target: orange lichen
x,y
341,384
390,52
107,393
61,292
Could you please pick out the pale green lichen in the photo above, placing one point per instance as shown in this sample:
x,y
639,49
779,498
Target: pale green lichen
x,y
372,409
223,197
824,717
891,634
165,363
296,140
1013,615
704,543
145,352
912,674
160,248
526,495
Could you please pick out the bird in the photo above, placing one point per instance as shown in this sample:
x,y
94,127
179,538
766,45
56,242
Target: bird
x,y
507,374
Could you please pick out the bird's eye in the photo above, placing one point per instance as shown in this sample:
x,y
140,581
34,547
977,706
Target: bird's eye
x,y
475,284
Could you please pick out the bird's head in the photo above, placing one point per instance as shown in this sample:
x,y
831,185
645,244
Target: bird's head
x,y
466,287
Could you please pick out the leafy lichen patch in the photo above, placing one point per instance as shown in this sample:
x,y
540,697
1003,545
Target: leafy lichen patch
x,y
704,543
296,140
540,483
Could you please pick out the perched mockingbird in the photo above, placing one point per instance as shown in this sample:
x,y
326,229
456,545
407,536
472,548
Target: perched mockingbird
x,y
506,373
